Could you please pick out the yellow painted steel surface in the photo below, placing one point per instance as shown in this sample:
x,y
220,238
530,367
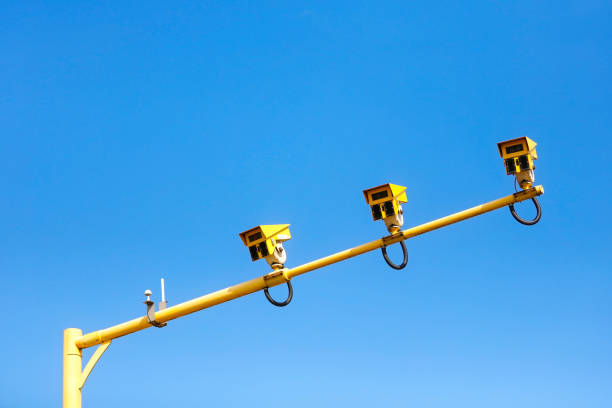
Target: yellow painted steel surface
x,y
282,276
265,232
528,147
73,360
393,191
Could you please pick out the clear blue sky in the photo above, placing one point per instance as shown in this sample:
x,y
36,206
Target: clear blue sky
x,y
139,139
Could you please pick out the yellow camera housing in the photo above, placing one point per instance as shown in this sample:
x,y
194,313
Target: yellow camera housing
x,y
262,239
518,154
384,200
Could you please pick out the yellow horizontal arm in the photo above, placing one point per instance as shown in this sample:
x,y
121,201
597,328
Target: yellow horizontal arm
x,y
279,277
418,230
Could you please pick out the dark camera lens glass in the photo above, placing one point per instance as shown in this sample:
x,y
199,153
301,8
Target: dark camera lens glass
x,y
376,213
524,162
253,251
389,210
263,249
510,166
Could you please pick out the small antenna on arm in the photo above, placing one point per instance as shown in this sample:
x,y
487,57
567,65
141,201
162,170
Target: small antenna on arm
x,y
162,305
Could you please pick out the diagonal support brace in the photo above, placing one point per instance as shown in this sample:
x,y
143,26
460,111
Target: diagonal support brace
x,y
92,362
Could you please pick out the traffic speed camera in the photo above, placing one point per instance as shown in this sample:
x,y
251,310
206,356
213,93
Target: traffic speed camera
x,y
385,203
265,241
519,155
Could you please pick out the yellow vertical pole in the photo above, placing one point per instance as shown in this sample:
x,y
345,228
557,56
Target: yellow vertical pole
x,y
73,362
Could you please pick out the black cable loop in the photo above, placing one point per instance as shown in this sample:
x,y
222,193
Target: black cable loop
x,y
280,304
515,189
528,222
391,264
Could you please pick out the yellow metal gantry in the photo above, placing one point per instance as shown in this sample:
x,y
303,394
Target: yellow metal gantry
x,y
74,341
